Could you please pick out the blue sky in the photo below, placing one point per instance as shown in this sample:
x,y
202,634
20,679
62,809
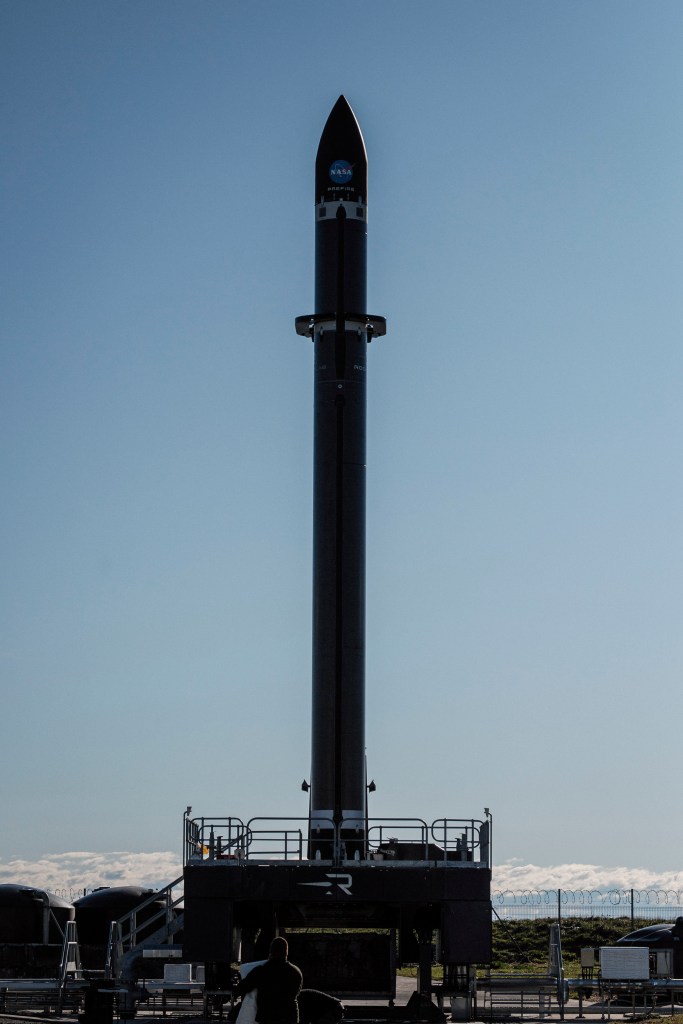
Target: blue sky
x,y
525,504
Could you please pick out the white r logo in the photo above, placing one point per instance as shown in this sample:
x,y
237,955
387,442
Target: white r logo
x,y
342,881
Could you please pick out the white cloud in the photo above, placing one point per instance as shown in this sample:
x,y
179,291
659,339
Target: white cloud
x,y
71,873
515,875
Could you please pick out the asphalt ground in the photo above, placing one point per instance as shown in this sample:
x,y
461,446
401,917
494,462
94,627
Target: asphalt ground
x,y
571,1016
503,1014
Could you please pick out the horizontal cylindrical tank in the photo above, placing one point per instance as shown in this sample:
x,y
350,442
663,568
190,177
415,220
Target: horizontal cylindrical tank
x,y
30,915
96,911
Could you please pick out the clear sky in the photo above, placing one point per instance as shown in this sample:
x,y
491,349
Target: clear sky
x,y
525,495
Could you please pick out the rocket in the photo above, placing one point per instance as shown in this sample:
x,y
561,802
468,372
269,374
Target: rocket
x,y
257,879
340,330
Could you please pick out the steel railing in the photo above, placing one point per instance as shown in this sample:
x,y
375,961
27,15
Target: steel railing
x,y
158,927
447,840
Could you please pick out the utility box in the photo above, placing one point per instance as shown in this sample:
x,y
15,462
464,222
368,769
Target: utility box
x,y
624,963
178,974
664,963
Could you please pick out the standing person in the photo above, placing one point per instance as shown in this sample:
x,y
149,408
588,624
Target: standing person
x,y
277,984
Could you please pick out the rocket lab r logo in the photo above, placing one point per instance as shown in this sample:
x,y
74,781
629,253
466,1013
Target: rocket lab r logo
x,y
341,172
336,880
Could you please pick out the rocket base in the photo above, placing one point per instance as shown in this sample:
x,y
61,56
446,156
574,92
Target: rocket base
x,y
391,905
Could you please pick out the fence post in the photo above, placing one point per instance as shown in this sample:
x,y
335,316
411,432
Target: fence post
x,y
559,907
631,909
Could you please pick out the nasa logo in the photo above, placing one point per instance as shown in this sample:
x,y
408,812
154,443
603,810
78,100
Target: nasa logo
x,y
341,172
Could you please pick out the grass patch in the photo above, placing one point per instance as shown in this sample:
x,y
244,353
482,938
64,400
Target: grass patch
x,y
524,944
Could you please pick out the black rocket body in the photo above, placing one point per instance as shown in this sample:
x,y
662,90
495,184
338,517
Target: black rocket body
x,y
340,330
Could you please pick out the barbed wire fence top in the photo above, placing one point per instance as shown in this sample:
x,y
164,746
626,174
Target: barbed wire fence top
x,y
646,904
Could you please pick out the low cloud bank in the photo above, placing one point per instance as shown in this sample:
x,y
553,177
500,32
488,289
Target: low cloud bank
x,y
71,873
515,875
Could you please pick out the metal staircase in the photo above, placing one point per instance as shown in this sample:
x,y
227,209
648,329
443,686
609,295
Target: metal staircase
x,y
124,947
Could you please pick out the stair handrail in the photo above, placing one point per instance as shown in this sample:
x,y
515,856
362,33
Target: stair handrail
x,y
70,960
121,941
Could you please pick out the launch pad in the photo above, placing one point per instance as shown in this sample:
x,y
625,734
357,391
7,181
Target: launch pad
x,y
411,884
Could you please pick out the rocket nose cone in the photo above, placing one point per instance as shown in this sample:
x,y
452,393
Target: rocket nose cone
x,y
341,166
342,110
